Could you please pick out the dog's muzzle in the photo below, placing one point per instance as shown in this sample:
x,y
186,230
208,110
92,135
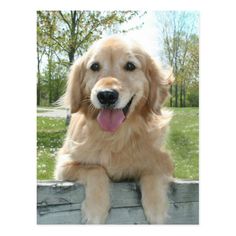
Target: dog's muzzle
x,y
110,118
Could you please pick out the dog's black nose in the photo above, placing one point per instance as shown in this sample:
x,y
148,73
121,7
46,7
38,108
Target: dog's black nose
x,y
108,97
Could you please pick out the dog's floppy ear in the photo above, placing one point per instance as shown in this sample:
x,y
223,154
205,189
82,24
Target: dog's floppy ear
x,y
73,94
159,84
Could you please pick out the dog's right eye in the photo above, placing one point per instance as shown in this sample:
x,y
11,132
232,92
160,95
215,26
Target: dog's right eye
x,y
130,66
95,66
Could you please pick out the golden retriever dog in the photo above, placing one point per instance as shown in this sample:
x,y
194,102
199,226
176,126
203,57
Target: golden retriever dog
x,y
115,93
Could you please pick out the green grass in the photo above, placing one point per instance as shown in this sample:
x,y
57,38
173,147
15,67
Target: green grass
x,y
50,107
42,111
50,136
182,142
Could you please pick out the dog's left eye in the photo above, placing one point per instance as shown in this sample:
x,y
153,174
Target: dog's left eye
x,y
95,66
130,66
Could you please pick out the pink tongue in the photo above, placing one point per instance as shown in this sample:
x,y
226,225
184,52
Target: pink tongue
x,y
110,120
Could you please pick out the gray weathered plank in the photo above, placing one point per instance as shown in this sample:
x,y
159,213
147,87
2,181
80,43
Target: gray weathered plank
x,y
60,203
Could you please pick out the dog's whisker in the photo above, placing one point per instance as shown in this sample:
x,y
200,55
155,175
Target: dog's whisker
x,y
91,107
86,100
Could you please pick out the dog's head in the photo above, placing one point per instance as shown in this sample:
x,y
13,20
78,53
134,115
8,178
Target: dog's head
x,y
115,80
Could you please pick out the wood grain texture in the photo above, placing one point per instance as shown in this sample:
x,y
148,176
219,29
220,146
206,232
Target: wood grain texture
x,y
60,203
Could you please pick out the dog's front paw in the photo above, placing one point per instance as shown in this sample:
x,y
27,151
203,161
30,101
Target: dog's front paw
x,y
153,216
93,214
155,213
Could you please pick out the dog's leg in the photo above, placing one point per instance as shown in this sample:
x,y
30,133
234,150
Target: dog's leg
x,y
154,198
97,200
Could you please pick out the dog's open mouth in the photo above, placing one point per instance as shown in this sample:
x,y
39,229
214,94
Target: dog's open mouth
x,y
111,119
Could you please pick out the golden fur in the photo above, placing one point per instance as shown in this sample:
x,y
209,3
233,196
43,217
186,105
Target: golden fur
x,y
93,156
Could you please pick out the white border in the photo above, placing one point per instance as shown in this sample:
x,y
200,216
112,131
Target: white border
x,y
217,117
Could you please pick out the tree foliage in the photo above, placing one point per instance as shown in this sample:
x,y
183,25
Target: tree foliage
x,y
181,50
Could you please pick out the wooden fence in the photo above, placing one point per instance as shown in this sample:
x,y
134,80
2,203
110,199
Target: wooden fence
x,y
60,203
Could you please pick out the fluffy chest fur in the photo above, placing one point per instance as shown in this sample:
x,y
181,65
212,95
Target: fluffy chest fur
x,y
126,153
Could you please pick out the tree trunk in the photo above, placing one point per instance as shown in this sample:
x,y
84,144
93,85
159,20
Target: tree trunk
x,y
38,82
57,88
176,95
184,93
171,98
73,36
38,90
50,79
39,59
71,56
181,93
